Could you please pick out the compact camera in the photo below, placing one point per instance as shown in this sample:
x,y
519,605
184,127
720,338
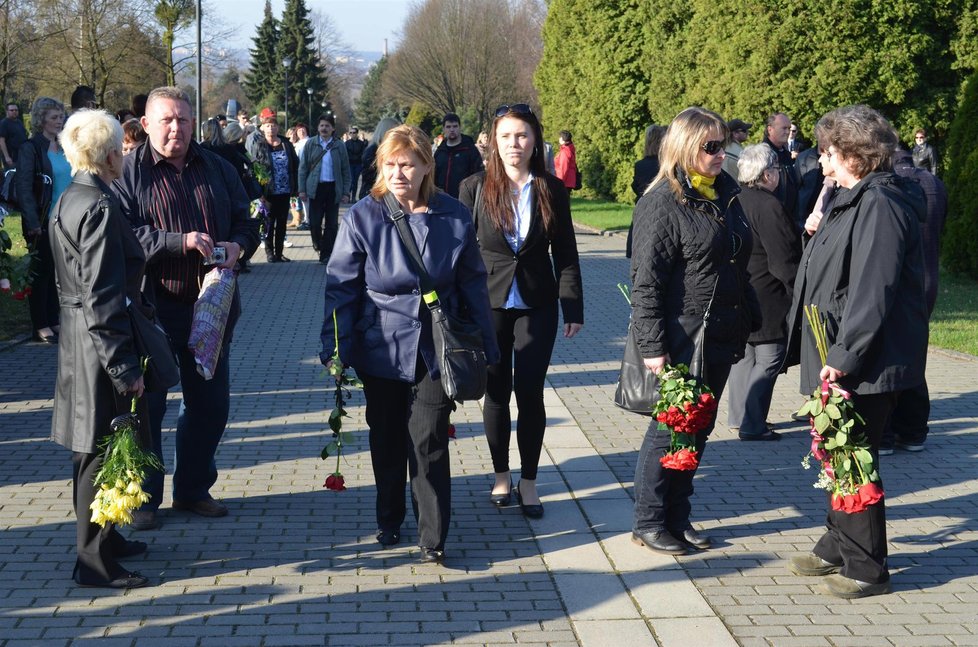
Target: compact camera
x,y
218,256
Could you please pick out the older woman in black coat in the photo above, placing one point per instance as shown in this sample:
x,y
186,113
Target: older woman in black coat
x,y
772,267
863,268
99,266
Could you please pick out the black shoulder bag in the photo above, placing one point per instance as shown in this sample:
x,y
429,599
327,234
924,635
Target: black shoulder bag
x,y
638,387
149,340
458,343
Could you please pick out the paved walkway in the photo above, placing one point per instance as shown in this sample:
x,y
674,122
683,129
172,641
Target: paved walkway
x,y
295,564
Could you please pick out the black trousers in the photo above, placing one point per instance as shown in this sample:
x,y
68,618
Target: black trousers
x,y
409,430
324,214
908,423
43,299
278,215
662,495
95,563
858,541
526,343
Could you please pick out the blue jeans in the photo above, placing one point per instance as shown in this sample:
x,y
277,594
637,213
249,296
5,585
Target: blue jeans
x,y
201,420
752,385
662,495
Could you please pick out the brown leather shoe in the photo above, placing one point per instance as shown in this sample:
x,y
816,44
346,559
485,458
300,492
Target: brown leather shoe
x,y
205,507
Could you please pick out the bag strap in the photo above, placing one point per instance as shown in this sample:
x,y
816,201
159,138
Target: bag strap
x,y
397,214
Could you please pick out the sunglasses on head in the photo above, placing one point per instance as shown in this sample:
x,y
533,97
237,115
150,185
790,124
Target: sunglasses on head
x,y
713,146
516,108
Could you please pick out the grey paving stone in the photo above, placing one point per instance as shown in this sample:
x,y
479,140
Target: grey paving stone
x,y
293,564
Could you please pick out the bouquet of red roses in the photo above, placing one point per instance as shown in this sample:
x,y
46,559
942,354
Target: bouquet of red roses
x,y
686,407
848,469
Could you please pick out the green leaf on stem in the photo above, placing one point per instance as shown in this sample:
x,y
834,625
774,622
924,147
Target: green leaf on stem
x,y
833,411
822,420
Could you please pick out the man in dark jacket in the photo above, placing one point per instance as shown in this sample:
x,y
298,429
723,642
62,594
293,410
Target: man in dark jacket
x,y
183,202
354,151
456,158
908,424
777,130
12,135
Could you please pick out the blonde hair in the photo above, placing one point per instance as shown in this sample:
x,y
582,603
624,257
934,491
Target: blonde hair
x,y
405,139
681,144
87,139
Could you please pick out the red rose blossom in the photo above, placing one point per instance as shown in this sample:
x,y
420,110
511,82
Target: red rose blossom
x,y
334,482
684,460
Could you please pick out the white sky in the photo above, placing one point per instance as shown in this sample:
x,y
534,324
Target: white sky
x,y
363,24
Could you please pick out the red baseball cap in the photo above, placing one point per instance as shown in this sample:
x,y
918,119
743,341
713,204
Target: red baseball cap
x,y
266,113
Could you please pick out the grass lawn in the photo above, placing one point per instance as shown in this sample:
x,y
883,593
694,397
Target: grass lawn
x,y
15,320
954,324
601,214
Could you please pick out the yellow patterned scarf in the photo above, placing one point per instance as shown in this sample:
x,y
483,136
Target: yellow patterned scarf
x,y
703,184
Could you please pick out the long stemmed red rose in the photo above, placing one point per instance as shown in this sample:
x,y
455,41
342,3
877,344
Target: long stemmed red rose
x,y
340,438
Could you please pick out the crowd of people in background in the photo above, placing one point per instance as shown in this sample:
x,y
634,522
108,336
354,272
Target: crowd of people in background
x,y
745,234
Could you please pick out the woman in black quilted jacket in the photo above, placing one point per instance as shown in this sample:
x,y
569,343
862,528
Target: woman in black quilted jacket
x,y
691,244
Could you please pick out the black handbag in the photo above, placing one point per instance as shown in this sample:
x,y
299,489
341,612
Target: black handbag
x,y
458,343
638,387
150,341
153,344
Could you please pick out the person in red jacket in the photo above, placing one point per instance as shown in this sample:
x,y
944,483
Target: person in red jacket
x,y
565,163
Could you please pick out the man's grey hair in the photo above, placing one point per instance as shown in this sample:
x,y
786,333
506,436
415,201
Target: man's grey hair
x,y
754,160
168,92
773,116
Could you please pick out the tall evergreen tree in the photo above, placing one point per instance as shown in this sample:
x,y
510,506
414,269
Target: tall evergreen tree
x,y
265,72
297,42
373,104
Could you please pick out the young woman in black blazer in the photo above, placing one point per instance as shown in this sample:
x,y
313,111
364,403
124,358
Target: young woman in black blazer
x,y
523,222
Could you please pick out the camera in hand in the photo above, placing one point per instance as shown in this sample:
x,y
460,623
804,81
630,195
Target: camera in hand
x,y
218,256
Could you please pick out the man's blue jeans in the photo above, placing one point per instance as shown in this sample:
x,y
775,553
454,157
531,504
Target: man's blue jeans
x,y
200,425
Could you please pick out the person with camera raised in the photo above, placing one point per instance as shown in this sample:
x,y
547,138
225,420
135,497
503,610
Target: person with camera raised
x,y
188,208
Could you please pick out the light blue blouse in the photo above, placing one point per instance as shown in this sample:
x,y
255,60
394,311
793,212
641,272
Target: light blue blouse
x,y
523,206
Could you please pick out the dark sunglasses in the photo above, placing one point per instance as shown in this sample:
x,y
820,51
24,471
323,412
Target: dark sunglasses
x,y
713,146
516,108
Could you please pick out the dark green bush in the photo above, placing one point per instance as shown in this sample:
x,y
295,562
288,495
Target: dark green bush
x,y
960,246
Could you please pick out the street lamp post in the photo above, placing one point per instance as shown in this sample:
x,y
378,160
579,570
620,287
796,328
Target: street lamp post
x,y
309,92
286,62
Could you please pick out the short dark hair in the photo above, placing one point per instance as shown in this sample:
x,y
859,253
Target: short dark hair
x,y
451,116
327,117
565,135
14,104
81,97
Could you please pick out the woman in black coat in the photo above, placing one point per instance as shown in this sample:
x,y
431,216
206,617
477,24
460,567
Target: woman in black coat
x,y
863,268
99,265
42,174
692,245
645,171
522,217
772,267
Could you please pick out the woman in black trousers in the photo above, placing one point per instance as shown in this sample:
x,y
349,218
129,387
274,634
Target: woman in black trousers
x,y
99,265
522,216
691,248
864,269
42,174
383,329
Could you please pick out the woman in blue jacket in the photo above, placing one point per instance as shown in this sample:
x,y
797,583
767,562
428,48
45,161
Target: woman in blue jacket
x,y
384,330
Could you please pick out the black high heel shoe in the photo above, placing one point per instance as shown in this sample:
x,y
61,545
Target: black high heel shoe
x,y
531,511
502,500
